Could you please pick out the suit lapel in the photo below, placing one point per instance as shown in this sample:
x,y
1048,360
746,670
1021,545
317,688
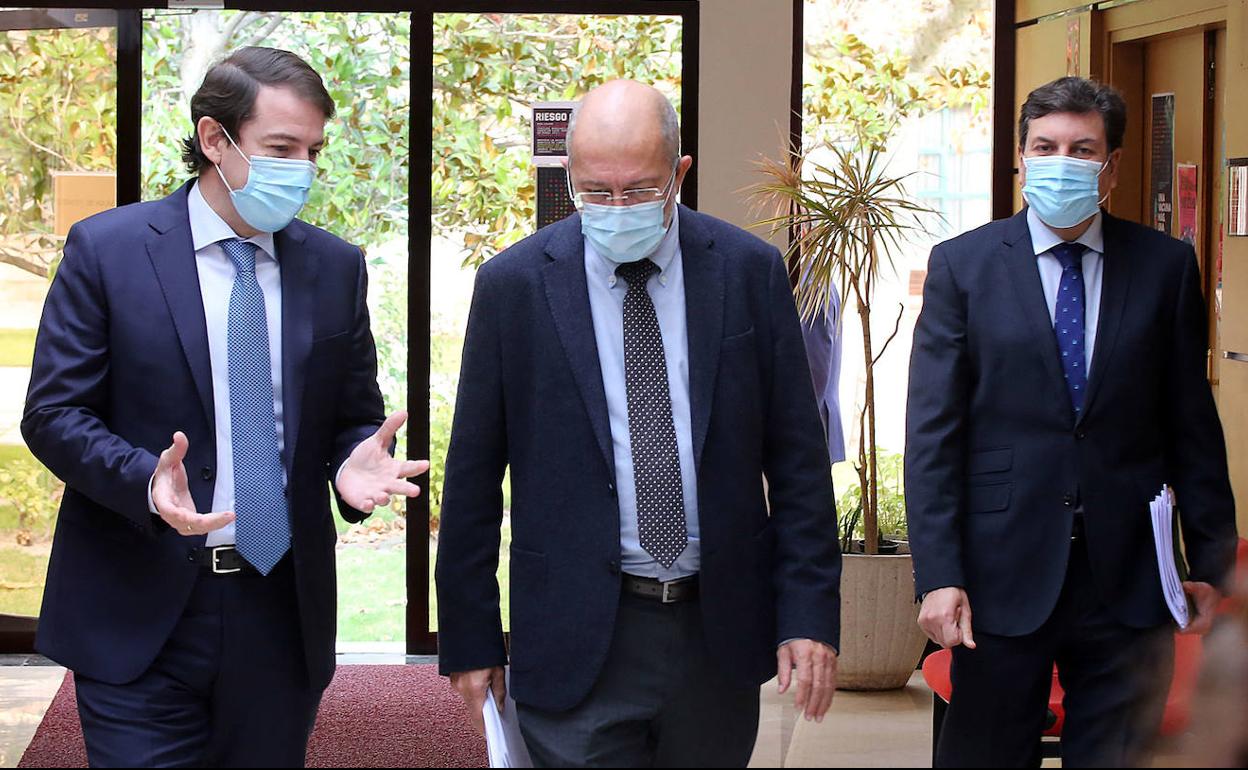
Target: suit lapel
x,y
1020,258
172,254
298,269
568,295
1115,283
704,317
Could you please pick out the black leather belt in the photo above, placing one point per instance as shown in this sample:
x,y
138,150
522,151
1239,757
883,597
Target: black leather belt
x,y
683,590
221,560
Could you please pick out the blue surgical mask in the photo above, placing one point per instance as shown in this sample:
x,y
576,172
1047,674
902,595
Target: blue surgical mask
x,y
275,192
624,233
1063,191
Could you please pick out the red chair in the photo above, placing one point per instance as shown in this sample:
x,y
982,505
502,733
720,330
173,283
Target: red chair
x,y
1188,653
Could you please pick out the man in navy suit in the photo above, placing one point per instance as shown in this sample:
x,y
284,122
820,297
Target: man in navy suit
x,y
214,326
640,369
1057,382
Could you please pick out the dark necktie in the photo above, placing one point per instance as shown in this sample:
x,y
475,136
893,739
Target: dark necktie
x,y
262,528
1068,323
651,432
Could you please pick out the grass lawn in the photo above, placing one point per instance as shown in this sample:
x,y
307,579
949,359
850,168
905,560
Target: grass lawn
x,y
17,347
19,567
372,602
371,594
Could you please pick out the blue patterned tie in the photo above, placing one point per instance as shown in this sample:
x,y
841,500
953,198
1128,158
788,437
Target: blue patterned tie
x,y
1068,323
262,528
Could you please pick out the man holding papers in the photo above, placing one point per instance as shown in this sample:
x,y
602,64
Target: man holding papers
x,y
1057,382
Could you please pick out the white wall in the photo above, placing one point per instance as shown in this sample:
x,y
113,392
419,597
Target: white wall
x,y
746,67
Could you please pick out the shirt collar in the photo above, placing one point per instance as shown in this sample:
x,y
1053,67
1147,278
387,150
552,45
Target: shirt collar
x,y
207,226
603,269
1043,238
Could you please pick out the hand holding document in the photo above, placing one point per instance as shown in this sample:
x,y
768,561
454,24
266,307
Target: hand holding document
x,y
503,741
1169,558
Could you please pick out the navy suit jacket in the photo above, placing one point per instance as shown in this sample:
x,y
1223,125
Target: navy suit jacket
x,y
531,397
996,462
121,362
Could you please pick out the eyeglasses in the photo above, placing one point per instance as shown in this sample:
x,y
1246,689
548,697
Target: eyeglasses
x,y
626,198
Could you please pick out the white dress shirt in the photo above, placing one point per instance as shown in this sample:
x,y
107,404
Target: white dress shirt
x,y
216,281
1042,240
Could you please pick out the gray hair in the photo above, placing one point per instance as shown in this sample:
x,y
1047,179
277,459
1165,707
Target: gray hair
x,y
669,131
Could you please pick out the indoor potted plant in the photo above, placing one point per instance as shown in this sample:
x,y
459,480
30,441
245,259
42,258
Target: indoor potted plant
x,y
845,220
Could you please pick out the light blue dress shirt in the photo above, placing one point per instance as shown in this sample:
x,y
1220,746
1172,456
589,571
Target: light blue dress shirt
x,y
216,281
606,304
1042,240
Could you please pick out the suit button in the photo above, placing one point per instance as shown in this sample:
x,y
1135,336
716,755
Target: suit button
x,y
1069,501
206,473
613,566
611,489
1081,435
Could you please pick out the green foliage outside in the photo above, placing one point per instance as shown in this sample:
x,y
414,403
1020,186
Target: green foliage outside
x,y
487,69
891,499
58,112
859,94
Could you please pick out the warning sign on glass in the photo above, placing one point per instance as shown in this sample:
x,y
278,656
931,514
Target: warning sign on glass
x,y
550,132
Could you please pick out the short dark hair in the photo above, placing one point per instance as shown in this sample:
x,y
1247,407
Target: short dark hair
x,y
1080,96
228,93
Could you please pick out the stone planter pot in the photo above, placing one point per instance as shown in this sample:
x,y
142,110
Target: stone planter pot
x,y
881,642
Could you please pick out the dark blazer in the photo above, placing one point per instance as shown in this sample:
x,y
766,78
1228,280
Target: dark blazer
x,y
996,463
121,362
531,397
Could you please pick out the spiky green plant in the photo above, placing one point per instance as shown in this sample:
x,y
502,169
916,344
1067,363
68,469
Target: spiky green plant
x,y
845,222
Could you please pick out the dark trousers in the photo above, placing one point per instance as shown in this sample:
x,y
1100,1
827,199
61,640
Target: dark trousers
x,y
659,701
229,689
1116,679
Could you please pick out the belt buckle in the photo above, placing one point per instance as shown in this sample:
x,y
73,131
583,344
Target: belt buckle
x,y
217,569
666,597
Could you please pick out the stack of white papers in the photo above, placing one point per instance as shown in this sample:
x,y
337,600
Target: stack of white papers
x,y
1162,509
503,741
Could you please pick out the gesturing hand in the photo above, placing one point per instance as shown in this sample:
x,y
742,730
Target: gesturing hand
x,y
172,496
371,475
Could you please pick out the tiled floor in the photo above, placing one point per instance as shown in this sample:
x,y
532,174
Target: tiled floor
x,y
862,730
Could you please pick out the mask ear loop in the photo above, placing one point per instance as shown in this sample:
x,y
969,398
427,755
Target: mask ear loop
x,y
237,149
1104,166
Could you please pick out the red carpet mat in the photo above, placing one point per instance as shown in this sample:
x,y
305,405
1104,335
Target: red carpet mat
x,y
371,716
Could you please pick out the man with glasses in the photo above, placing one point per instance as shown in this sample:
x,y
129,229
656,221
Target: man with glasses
x,y
640,369
191,590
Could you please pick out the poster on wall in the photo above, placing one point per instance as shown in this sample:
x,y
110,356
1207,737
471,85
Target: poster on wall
x,y
1189,179
1161,189
1237,197
550,135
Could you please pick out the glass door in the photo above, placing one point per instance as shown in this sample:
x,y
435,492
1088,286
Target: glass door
x,y
58,150
489,64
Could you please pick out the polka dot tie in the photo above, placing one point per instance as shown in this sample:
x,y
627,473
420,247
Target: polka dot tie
x,y
1068,324
656,462
262,526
